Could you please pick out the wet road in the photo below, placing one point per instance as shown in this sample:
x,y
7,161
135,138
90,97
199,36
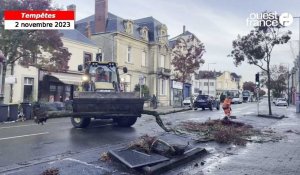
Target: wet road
x,y
20,142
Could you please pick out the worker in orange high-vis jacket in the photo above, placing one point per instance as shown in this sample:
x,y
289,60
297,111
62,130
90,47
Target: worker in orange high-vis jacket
x,y
227,107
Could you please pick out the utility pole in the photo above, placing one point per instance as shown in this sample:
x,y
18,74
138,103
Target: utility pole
x,y
297,104
257,90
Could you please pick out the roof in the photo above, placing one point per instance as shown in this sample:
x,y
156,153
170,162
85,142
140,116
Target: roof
x,y
207,75
234,75
76,36
115,24
152,24
172,41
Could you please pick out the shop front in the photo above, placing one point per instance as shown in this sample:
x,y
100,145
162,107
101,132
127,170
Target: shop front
x,y
55,87
176,94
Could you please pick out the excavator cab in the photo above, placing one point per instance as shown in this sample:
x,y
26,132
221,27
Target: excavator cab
x,y
101,77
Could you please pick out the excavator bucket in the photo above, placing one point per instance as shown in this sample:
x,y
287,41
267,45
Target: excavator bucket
x,y
116,103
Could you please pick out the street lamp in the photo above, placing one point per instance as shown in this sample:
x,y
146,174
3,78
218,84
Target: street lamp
x,y
208,78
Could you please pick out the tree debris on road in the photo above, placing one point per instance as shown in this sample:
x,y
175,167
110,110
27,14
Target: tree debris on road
x,y
52,171
293,131
105,157
150,144
144,143
222,131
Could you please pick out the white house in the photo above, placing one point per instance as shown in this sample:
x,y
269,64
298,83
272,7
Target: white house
x,y
32,84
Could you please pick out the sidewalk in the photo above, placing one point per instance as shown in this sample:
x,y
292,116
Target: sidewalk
x,y
281,157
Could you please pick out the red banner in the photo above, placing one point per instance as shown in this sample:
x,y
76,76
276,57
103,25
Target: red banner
x,y
38,15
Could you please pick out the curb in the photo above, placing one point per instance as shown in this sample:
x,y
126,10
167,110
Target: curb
x,y
172,163
278,117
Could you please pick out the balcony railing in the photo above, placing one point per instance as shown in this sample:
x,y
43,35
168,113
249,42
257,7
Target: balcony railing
x,y
163,71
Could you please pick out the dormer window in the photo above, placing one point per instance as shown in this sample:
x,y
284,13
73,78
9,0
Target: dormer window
x,y
144,33
128,25
163,37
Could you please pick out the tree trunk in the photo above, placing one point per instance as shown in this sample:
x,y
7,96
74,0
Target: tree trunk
x,y
269,92
3,82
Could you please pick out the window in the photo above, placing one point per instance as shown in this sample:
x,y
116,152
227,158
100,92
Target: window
x,y
205,83
28,89
162,61
145,34
129,54
87,57
130,28
28,81
99,57
143,58
211,83
163,87
52,88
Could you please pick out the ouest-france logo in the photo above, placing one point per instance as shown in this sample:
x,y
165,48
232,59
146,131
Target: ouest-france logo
x,y
269,19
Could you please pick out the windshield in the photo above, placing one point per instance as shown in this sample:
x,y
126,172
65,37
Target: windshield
x,y
103,73
246,94
202,97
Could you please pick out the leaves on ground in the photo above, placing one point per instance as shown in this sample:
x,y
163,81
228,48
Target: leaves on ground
x,y
144,143
52,171
105,157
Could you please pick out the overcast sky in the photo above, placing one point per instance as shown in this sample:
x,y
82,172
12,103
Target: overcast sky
x,y
215,22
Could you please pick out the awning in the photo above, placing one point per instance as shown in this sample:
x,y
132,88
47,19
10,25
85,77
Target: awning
x,y
67,78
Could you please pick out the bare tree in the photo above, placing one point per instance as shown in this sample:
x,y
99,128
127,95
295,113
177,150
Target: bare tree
x,y
257,46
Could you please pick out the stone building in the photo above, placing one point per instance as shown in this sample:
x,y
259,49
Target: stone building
x,y
141,45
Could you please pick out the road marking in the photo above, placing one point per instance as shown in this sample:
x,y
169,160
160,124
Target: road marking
x,y
21,136
16,126
247,113
7,127
82,162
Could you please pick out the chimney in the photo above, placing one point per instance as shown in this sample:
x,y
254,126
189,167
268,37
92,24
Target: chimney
x,y
183,28
88,32
101,15
73,8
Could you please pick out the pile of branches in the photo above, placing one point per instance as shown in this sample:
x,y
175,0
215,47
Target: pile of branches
x,y
222,131
144,143
148,144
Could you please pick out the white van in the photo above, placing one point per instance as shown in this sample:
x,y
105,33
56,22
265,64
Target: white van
x,y
237,99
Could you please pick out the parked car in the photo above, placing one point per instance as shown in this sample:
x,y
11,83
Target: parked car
x,y
281,102
187,102
205,101
237,100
